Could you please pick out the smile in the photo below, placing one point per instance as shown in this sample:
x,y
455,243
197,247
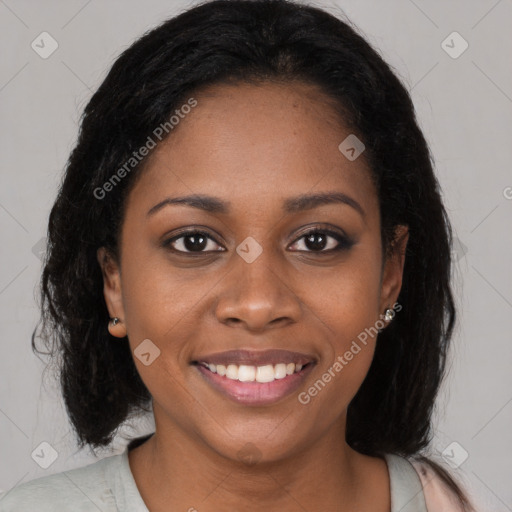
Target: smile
x,y
273,375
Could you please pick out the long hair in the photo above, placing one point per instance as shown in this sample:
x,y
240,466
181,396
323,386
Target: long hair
x,y
250,41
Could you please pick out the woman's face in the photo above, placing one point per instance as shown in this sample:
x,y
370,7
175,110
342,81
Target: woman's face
x,y
254,281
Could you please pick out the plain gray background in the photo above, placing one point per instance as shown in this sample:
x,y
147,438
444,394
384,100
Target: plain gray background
x,y
464,106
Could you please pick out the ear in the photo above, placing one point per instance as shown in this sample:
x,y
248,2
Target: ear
x,y
393,269
112,291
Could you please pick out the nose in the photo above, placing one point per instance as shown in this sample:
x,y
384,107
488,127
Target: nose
x,y
257,295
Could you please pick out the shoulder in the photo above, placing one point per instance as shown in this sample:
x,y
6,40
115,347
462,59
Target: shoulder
x,y
438,496
81,489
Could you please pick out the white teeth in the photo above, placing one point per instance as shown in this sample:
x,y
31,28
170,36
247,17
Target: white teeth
x,y
265,373
232,372
280,371
246,373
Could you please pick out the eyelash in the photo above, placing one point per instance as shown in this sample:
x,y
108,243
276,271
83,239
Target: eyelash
x,y
344,243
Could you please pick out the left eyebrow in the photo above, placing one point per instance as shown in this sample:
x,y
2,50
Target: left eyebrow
x,y
309,201
290,205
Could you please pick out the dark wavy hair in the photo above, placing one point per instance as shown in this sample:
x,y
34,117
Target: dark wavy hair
x,y
251,41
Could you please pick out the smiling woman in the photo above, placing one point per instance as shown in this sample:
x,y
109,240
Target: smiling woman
x,y
271,281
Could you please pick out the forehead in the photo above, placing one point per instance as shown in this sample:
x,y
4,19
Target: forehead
x,y
256,144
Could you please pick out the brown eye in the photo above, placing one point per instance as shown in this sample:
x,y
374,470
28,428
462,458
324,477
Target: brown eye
x,y
192,242
322,240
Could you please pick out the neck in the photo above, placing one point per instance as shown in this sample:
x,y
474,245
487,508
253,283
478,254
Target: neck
x,y
175,471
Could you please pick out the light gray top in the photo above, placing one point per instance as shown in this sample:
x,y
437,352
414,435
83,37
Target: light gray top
x,y
107,485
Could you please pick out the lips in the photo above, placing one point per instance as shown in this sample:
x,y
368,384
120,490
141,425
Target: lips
x,y
255,358
255,378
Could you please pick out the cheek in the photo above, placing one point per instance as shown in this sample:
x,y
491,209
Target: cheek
x,y
347,356
347,298
157,307
159,300
347,303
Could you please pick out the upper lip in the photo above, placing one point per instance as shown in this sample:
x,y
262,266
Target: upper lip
x,y
255,358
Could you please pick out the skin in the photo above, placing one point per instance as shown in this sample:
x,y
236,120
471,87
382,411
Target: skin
x,y
253,146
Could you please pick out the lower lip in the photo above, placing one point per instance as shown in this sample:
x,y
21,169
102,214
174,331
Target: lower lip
x,y
255,393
